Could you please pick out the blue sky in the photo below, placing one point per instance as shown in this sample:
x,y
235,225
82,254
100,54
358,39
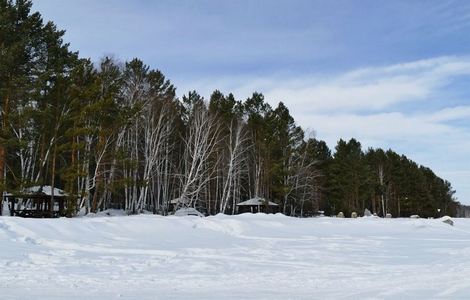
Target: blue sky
x,y
393,74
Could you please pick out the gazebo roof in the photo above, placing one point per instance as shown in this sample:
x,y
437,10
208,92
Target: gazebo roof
x,y
45,190
256,202
179,201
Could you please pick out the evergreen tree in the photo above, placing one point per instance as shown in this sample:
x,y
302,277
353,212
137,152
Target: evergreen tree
x,y
20,33
349,180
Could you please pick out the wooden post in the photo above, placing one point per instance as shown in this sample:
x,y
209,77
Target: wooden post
x,y
61,206
1,205
12,208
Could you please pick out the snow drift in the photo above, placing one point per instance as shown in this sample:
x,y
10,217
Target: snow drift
x,y
233,257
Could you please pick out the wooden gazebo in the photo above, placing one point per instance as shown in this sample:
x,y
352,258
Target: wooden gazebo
x,y
256,205
37,202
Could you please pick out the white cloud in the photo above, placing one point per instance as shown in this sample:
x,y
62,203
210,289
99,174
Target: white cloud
x,y
371,89
450,114
386,126
366,89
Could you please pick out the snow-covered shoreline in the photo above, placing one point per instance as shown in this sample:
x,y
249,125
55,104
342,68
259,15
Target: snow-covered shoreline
x,y
233,257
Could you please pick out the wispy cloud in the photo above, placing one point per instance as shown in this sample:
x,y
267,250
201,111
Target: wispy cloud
x,y
450,114
367,89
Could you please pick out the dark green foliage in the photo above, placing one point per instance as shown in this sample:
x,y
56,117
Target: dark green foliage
x,y
348,178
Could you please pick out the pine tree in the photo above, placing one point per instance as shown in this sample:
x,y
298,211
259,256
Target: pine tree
x,y
19,35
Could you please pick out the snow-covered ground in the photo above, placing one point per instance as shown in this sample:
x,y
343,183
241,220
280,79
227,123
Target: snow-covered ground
x,y
233,257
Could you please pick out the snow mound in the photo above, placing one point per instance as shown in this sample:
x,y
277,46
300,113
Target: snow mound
x,y
218,257
105,213
447,220
188,212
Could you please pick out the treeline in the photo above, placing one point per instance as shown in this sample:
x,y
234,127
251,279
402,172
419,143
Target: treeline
x,y
115,135
384,181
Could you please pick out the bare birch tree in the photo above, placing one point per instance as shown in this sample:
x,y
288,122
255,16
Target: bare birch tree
x,y
200,143
237,155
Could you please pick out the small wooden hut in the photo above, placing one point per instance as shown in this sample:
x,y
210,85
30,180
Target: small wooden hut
x,y
37,202
256,205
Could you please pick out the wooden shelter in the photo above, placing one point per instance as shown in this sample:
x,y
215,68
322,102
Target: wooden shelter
x,y
256,205
37,202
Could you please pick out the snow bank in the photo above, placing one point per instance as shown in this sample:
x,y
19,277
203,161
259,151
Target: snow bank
x,y
236,257
182,212
106,213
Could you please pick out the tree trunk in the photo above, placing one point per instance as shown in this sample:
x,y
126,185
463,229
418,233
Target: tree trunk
x,y
54,156
398,203
3,150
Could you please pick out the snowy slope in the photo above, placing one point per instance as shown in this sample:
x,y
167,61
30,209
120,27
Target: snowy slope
x,y
233,257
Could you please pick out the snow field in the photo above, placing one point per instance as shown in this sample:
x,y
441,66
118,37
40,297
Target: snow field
x,y
233,257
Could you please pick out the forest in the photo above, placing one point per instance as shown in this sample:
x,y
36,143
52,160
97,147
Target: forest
x,y
114,134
